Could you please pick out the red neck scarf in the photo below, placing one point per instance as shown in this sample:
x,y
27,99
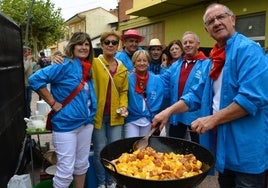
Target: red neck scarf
x,y
86,66
141,83
198,56
218,60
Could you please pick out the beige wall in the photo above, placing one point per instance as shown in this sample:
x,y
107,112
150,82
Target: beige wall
x,y
97,21
94,22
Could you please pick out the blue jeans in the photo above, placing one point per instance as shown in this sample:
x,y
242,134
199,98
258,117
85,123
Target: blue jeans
x,y
232,179
102,137
28,98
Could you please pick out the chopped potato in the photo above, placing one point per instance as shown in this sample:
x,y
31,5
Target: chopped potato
x,y
149,164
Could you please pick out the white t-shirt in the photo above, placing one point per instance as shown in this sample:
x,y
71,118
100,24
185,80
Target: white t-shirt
x,y
217,93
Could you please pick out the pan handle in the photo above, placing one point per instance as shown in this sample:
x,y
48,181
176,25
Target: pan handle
x,y
106,162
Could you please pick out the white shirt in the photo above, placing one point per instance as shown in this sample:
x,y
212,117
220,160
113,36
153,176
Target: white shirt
x,y
217,93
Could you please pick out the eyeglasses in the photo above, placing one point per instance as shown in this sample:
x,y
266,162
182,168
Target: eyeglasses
x,y
220,17
107,42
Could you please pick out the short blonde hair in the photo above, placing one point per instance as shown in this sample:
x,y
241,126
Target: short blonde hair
x,y
107,34
138,53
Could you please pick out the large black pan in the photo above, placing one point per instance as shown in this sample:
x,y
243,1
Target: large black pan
x,y
162,144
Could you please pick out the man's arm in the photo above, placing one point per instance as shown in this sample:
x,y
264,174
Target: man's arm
x,y
163,116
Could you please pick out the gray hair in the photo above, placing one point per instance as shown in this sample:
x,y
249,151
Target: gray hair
x,y
227,10
191,33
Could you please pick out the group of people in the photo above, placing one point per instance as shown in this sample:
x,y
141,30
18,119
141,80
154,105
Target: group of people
x,y
221,99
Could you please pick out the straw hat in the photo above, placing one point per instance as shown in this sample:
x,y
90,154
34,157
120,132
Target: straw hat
x,y
132,33
155,42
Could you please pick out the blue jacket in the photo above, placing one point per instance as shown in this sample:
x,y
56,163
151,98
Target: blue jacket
x,y
64,78
126,60
171,79
155,67
241,144
154,96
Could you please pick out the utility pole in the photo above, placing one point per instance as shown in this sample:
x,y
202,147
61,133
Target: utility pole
x,y
118,14
28,23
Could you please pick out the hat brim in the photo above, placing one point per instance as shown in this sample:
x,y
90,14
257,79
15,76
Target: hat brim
x,y
162,46
140,38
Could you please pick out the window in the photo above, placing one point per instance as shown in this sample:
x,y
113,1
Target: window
x,y
252,26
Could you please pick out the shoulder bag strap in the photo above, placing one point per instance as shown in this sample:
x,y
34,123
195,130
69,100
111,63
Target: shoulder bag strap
x,y
73,94
146,103
112,80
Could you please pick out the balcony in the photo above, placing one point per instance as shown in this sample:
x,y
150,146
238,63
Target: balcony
x,y
150,8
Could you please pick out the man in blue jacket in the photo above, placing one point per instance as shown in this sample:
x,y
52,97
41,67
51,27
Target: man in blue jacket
x,y
130,39
234,102
179,78
155,50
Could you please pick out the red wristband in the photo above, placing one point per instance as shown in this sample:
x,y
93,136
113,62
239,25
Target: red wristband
x,y
53,103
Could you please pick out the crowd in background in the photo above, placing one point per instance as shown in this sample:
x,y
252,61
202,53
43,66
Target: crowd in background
x,y
211,100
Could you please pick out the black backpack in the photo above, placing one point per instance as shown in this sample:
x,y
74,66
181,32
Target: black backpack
x,y
44,61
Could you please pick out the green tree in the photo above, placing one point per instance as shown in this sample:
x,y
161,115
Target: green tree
x,y
46,24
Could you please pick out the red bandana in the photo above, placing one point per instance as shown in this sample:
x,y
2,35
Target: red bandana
x,y
141,83
218,59
198,56
86,66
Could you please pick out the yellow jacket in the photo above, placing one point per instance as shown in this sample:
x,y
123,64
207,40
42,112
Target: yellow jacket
x,y
101,79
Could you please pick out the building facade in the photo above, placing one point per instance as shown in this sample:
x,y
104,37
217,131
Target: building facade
x,y
93,21
169,19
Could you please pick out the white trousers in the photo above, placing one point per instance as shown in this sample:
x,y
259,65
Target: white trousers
x,y
72,149
140,127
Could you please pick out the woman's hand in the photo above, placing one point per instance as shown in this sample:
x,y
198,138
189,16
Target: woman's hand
x,y
56,107
122,111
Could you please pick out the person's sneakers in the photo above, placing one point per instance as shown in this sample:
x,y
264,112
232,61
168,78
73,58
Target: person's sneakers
x,y
113,185
101,186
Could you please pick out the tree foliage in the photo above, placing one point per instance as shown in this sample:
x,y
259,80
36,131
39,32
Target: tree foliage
x,y
46,24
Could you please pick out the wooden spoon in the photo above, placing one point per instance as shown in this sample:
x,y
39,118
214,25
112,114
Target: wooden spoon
x,y
143,143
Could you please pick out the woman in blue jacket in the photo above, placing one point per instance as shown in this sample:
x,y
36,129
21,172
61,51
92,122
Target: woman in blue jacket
x,y
72,125
145,95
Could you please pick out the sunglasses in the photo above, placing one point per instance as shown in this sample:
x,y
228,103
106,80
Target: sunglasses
x,y
107,42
